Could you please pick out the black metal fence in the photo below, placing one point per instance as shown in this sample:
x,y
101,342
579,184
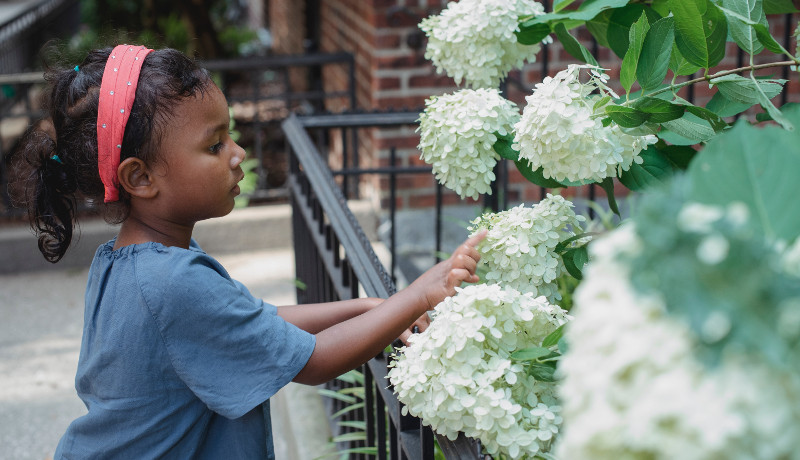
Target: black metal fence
x,y
335,261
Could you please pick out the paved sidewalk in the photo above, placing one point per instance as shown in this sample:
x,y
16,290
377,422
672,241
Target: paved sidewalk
x,y
40,333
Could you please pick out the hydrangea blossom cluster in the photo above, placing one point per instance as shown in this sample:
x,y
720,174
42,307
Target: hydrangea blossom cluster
x,y
518,250
475,41
458,376
562,132
634,364
458,135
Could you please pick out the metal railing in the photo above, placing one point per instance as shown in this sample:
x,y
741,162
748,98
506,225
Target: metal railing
x,y
335,261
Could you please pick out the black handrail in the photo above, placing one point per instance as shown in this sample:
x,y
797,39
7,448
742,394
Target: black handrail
x,y
324,228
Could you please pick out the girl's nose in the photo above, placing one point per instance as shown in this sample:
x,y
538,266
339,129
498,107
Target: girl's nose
x,y
237,157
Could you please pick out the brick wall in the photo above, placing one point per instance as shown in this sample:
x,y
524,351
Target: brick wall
x,y
392,73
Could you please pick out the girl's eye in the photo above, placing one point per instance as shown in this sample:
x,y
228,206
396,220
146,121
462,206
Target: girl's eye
x,y
216,147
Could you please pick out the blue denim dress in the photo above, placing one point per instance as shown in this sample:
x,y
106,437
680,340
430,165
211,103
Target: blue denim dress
x,y
177,359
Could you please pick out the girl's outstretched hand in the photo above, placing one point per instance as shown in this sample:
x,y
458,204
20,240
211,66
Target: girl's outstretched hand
x,y
441,280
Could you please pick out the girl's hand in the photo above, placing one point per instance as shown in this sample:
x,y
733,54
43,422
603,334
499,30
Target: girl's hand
x,y
419,325
441,280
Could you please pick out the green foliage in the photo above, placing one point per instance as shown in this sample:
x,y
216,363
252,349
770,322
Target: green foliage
x,y
701,31
755,167
573,46
656,53
656,39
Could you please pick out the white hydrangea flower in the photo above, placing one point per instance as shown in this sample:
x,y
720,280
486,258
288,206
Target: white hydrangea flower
x,y
561,131
458,376
632,387
518,250
475,41
458,135
791,259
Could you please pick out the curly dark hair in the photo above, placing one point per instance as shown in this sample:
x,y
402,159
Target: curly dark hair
x,y
53,186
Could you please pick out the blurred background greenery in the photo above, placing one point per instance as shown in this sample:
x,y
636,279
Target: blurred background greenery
x,y
206,29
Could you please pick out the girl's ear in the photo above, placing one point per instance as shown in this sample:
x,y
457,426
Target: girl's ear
x,y
135,177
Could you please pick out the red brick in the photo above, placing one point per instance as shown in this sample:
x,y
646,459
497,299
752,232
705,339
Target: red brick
x,y
431,81
389,83
387,41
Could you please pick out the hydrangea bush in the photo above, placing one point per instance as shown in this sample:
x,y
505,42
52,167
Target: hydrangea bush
x,y
519,248
459,376
561,129
693,305
475,41
458,132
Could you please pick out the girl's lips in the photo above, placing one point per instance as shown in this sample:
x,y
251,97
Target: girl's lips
x,y
236,190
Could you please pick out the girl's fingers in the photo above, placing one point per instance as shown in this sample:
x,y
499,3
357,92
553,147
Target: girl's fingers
x,y
467,262
458,276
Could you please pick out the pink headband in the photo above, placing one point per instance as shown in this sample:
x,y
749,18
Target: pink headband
x,y
117,91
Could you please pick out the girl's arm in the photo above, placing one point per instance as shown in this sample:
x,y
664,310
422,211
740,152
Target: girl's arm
x,y
316,317
347,345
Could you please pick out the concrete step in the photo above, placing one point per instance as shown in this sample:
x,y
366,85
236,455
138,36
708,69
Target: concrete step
x,y
262,227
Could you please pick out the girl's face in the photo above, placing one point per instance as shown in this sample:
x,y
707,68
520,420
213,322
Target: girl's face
x,y
200,163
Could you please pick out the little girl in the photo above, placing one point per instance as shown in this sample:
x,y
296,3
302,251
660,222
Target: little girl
x,y
177,359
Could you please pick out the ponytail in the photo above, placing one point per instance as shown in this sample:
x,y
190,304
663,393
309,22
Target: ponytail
x,y
51,195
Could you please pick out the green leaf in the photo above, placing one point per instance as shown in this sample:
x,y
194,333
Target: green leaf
x,y
690,127
716,122
572,45
598,27
562,345
563,245
656,53
542,372
601,102
746,90
586,12
655,169
533,33
503,147
659,110
354,376
619,25
352,436
700,31
347,409
679,65
740,14
757,166
725,107
553,337
627,117
680,156
530,354
766,39
559,5
574,260
761,29
773,111
336,395
661,7
779,7
357,424
636,36
608,186
536,177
